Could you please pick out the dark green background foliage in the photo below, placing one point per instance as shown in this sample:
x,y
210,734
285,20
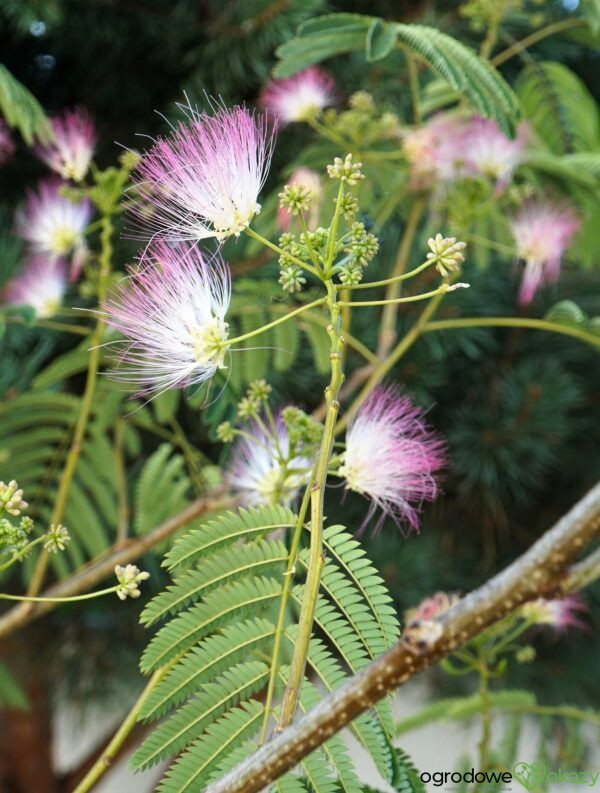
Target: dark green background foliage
x,y
519,409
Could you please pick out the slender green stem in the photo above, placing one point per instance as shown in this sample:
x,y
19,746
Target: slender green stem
x,y
513,322
380,371
108,755
394,279
413,80
317,488
68,472
80,330
333,230
275,322
486,717
23,552
442,290
255,235
387,326
533,38
279,628
496,246
74,599
311,253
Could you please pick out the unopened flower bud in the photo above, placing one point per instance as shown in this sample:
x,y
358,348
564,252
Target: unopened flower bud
x,y
259,389
11,498
525,655
129,578
447,251
247,408
349,206
225,432
345,170
295,198
291,278
57,539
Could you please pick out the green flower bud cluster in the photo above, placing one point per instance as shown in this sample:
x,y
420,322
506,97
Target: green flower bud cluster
x,y
448,253
57,538
360,250
295,198
248,408
345,170
14,537
11,498
303,431
361,123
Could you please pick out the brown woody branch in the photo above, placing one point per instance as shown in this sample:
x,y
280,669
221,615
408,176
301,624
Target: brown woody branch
x,y
544,570
103,566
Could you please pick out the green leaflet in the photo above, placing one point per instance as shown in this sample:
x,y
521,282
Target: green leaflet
x,y
21,109
459,66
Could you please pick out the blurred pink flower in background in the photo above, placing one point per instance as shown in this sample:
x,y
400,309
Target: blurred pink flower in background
x,y
298,97
70,153
542,232
559,613
41,285
53,225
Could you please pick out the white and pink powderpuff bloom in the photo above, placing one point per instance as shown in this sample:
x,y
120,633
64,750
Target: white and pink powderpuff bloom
x,y
41,285
53,225
488,151
171,311
298,97
69,154
559,613
311,181
259,470
7,144
204,179
436,151
392,456
542,232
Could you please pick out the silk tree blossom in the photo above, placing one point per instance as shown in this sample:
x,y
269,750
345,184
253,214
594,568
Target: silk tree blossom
x,y
392,456
311,182
559,613
542,232
436,151
53,225
70,153
490,152
299,97
41,285
204,179
172,313
260,470
7,145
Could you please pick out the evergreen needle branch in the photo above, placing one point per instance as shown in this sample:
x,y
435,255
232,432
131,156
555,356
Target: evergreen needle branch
x,y
85,411
251,233
514,322
103,566
275,322
537,573
107,756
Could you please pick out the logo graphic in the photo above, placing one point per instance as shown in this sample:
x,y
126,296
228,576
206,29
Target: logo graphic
x,y
529,775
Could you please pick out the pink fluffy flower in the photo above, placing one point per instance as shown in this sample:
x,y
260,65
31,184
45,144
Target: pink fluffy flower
x,y
490,152
204,179
7,145
432,606
41,285
542,232
392,455
172,314
309,179
260,470
298,97
560,613
53,225
70,153
436,151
